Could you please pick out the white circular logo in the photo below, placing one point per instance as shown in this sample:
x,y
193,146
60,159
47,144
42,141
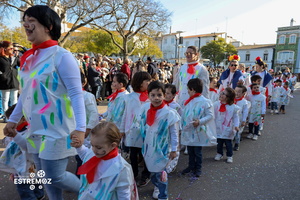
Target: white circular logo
x,y
40,187
32,175
32,187
41,173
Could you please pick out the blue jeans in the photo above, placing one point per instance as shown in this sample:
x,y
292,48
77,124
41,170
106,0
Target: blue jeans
x,y
28,194
228,144
60,178
195,157
162,186
274,106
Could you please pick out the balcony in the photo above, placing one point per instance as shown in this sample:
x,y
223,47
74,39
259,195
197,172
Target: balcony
x,y
285,62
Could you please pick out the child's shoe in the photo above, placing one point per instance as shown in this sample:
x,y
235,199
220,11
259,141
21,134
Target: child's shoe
x,y
185,151
236,147
250,136
186,170
197,173
283,111
272,112
155,193
276,112
255,137
259,133
218,157
229,159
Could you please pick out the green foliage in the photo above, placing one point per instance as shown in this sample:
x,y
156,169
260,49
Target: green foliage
x,y
147,46
16,35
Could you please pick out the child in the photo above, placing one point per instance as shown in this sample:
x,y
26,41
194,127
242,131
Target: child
x,y
160,135
16,160
213,92
277,92
227,122
257,111
257,80
104,173
197,130
285,97
243,105
131,123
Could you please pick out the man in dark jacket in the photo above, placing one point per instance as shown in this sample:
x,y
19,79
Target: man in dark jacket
x,y
152,67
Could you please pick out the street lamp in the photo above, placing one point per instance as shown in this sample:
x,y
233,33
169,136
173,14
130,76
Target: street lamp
x,y
177,45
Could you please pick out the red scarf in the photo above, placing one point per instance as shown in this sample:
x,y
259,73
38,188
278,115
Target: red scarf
x,y
222,107
143,96
236,100
191,98
152,113
89,168
255,93
286,89
22,126
115,94
43,45
168,102
213,90
191,68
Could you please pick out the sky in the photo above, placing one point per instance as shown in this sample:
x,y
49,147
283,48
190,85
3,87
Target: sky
x,y
248,21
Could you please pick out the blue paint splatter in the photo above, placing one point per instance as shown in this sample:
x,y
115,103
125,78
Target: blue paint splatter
x,y
69,142
55,81
43,90
43,118
59,111
43,69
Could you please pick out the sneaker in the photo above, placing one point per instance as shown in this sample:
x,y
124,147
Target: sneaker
x,y
255,137
229,159
186,170
276,112
259,133
197,173
218,157
236,147
250,136
185,151
155,193
272,111
144,182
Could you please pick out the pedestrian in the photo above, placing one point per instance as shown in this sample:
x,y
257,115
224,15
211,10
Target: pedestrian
x,y
213,93
50,81
198,128
277,92
257,80
104,173
158,128
227,123
285,97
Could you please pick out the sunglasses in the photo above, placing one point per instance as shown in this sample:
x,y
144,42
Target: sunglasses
x,y
188,53
233,65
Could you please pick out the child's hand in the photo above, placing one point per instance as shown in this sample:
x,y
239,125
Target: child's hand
x,y
77,138
236,128
243,124
10,129
196,123
172,155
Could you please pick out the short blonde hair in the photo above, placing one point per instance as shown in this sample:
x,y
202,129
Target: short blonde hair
x,y
110,130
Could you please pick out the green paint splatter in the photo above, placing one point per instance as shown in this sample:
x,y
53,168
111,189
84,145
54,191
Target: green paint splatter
x,y
197,72
22,82
33,74
31,142
47,82
68,106
35,97
42,147
52,118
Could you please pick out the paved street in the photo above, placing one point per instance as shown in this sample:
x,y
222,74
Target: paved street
x,y
268,168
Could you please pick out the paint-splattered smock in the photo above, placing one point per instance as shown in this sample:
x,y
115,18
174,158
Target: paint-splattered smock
x,y
258,107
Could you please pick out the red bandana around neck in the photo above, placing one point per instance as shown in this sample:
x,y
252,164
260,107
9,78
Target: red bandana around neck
x,y
152,113
223,107
89,168
168,102
236,100
191,68
143,96
21,126
43,45
255,93
213,90
191,98
115,94
286,89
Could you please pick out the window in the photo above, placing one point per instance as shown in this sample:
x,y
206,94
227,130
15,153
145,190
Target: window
x,y
285,56
292,38
247,57
165,40
282,39
265,56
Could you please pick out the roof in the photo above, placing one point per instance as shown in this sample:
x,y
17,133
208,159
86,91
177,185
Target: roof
x,y
204,35
256,46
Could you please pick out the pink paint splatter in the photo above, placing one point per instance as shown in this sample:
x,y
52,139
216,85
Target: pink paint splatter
x,y
45,108
34,83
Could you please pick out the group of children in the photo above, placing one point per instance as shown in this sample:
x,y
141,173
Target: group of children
x,y
151,126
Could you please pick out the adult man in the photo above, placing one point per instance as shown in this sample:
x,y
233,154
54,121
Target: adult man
x,y
152,67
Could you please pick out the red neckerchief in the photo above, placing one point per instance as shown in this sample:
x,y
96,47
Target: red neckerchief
x,y
213,90
152,113
191,68
89,168
43,45
286,89
22,126
143,96
115,94
168,102
191,98
222,107
236,100
255,93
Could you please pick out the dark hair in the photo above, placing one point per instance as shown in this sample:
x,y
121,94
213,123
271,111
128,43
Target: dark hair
x,y
278,80
156,85
253,84
212,78
230,95
286,83
195,49
149,58
244,89
172,87
255,78
122,78
4,44
47,17
138,79
110,130
195,84
9,111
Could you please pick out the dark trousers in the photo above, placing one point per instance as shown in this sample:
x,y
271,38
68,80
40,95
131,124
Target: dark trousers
x,y
256,128
282,107
195,157
228,144
274,106
135,156
79,163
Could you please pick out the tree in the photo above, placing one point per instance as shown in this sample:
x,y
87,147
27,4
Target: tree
x,y
131,17
147,46
217,51
16,35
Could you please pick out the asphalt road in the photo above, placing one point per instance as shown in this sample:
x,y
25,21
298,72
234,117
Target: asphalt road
x,y
268,168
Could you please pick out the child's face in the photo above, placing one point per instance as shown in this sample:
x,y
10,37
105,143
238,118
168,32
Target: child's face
x,y
169,96
285,86
213,83
116,85
100,146
144,85
255,88
156,97
239,93
223,96
257,81
278,83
